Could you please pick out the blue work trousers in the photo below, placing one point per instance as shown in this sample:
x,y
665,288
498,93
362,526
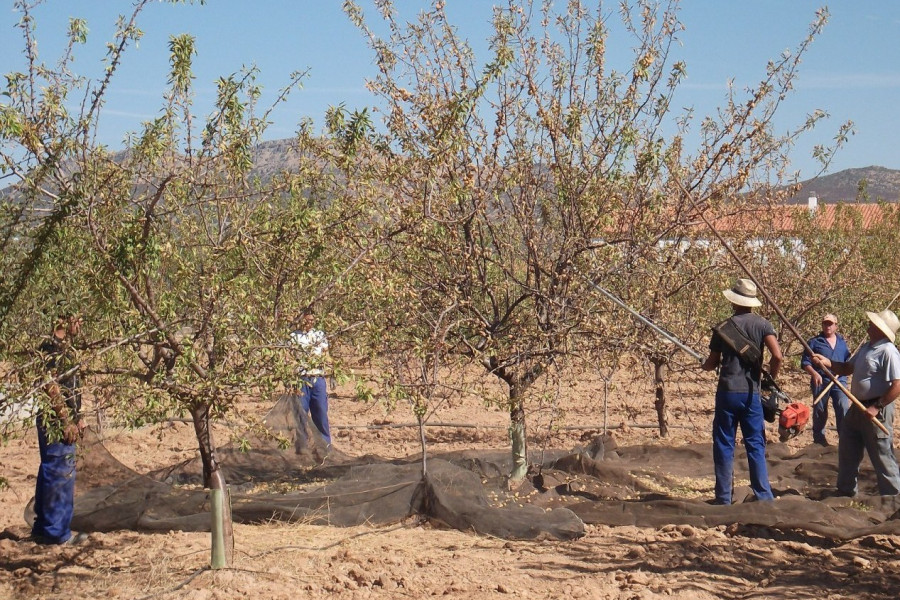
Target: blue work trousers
x,y
54,494
839,401
313,394
744,409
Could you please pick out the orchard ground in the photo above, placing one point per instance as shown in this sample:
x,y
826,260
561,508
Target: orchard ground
x,y
416,559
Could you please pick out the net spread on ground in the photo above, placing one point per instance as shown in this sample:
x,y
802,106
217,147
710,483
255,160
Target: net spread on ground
x,y
647,485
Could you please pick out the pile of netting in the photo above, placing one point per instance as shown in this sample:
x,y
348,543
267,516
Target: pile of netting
x,y
469,490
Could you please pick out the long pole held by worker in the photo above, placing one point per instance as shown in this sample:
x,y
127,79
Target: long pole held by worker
x,y
775,307
669,336
831,383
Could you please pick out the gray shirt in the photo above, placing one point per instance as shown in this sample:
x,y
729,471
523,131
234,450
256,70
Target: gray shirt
x,y
734,374
875,366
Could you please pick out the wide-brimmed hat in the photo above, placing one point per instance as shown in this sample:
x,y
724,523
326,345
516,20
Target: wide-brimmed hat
x,y
743,293
887,322
830,318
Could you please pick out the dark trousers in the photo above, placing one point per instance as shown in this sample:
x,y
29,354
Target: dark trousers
x,y
744,409
54,494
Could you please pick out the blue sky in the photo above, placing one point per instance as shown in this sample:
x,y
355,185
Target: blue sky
x,y
852,71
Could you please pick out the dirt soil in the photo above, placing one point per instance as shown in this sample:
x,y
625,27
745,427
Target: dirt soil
x,y
418,559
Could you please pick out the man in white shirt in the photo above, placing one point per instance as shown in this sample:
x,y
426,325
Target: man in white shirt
x,y
313,388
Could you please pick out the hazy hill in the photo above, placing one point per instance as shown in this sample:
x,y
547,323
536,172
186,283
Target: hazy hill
x,y
269,158
273,156
883,184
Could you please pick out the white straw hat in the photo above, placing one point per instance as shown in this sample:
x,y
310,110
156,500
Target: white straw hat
x,y
743,293
887,322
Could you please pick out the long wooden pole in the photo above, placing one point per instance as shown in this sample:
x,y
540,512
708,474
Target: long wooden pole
x,y
831,383
829,386
644,320
775,307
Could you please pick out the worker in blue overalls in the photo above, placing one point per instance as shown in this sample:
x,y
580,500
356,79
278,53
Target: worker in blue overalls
x,y
59,424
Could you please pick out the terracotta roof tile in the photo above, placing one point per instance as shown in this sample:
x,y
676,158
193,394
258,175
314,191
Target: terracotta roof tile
x,y
783,217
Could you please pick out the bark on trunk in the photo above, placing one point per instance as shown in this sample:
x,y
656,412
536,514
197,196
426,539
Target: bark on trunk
x,y
200,416
659,378
213,478
424,447
517,434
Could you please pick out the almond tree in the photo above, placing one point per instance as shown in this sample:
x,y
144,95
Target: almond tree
x,y
830,260
519,174
48,124
186,264
208,260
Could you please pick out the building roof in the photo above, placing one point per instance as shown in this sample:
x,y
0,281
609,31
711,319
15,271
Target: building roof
x,y
787,217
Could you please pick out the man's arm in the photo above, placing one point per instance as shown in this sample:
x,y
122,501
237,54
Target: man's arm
x,y
891,395
813,375
845,349
836,367
806,359
806,365
888,397
771,343
712,361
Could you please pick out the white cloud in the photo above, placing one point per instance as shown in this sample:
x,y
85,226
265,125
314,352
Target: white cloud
x,y
850,80
130,115
703,86
839,81
134,92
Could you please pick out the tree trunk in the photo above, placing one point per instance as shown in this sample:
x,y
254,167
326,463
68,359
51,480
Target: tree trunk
x,y
200,416
661,366
421,423
517,433
214,479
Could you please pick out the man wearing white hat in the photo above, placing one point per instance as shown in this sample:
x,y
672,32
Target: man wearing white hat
x,y
876,384
738,394
832,344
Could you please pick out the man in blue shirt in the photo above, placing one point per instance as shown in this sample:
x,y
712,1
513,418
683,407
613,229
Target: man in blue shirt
x,y
830,344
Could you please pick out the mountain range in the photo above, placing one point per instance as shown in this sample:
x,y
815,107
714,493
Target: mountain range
x,y
843,186
272,156
881,183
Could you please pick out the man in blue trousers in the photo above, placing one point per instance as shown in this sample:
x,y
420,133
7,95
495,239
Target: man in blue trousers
x,y
738,394
830,344
59,424
313,388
